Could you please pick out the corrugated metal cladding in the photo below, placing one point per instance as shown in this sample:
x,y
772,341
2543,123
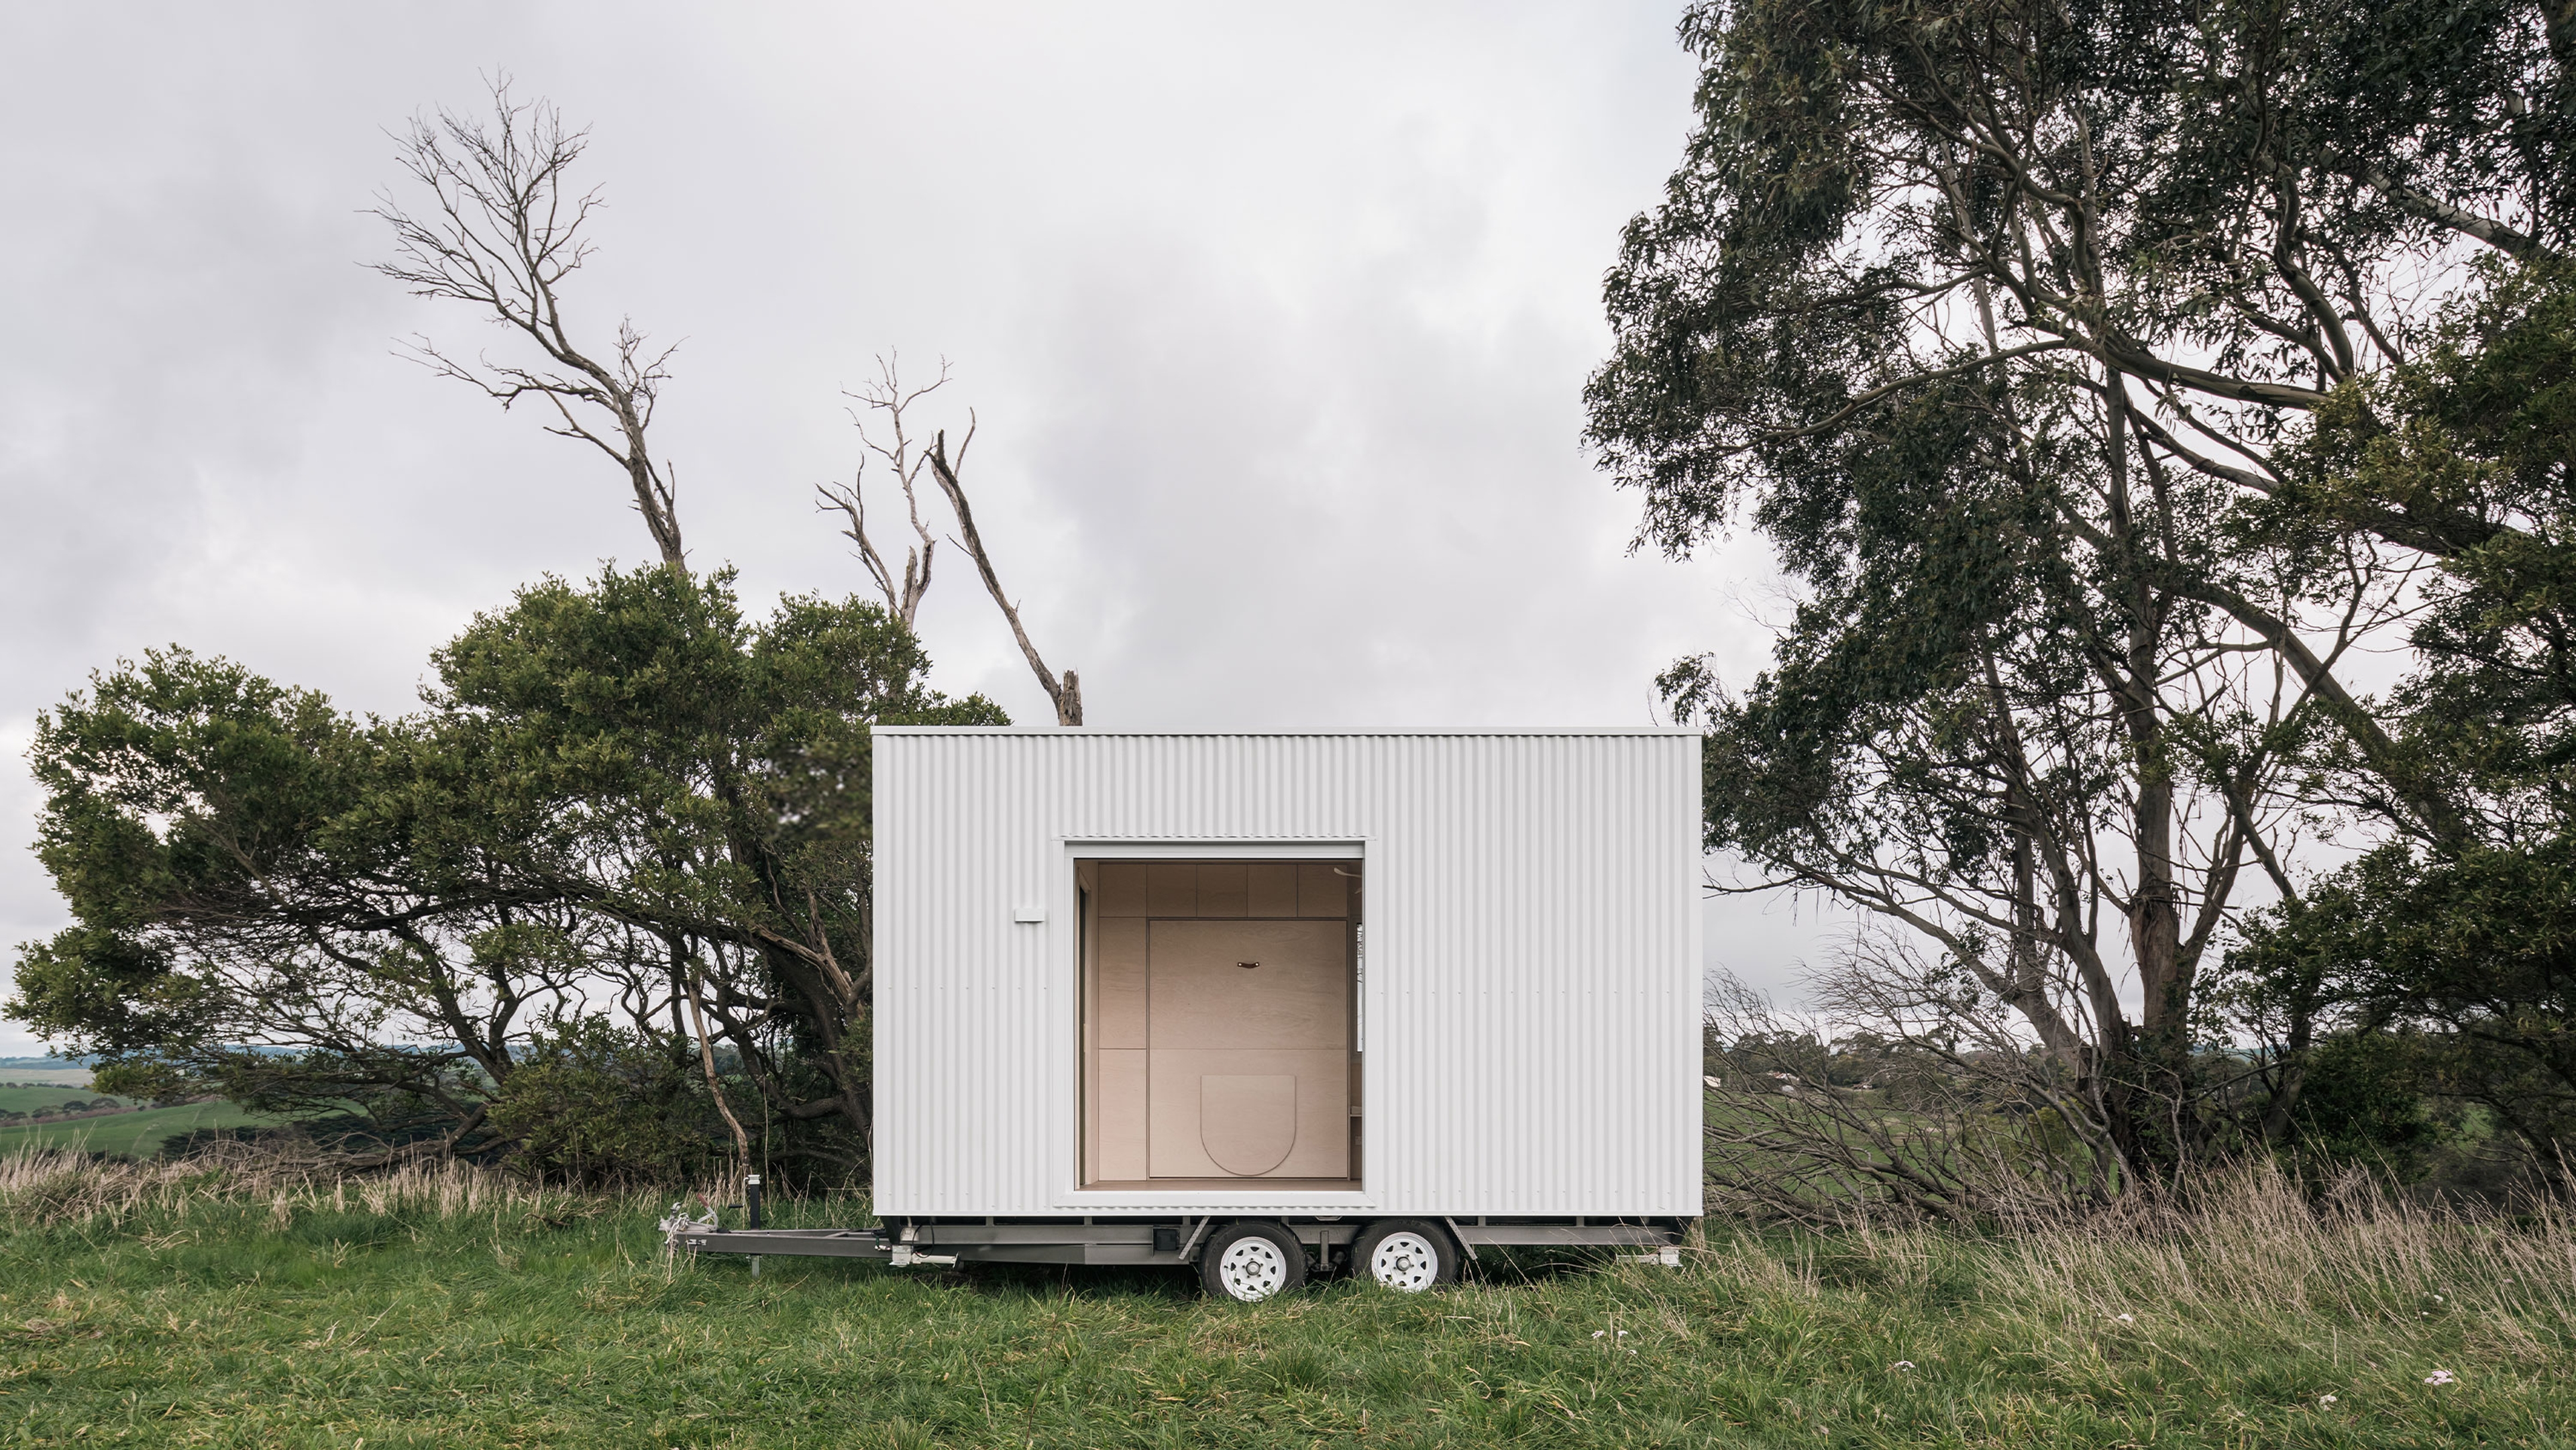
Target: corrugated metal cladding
x,y
1531,986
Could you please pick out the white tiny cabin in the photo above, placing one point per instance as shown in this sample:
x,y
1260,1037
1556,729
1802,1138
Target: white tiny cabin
x,y
1353,974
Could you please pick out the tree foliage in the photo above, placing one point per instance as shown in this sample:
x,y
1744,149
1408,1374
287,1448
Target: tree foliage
x,y
2460,944
616,796
2108,380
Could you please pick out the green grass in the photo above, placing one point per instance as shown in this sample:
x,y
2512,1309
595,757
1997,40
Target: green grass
x,y
156,1304
132,1135
26,1097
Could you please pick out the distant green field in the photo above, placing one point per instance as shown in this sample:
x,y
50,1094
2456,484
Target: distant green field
x,y
27,1097
65,1074
135,1135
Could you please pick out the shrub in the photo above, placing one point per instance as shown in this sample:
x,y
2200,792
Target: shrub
x,y
2364,1098
595,1104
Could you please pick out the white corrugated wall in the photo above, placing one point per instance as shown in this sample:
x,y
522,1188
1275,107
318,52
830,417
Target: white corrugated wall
x,y
1531,995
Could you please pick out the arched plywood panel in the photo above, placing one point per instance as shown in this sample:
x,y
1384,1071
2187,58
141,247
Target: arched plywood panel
x,y
1248,1122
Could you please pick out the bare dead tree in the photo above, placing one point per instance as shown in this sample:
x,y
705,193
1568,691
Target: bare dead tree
x,y
502,230
888,396
1905,1089
1065,693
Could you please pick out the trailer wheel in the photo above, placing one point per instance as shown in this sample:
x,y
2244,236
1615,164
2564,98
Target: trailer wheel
x,y
1250,1262
1405,1254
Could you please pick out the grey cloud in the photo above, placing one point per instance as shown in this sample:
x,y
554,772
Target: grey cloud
x,y
1275,322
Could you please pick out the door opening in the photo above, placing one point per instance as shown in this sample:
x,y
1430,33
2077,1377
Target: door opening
x,y
1219,1023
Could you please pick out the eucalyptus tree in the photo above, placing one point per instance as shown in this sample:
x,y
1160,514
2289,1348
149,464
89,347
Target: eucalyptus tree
x,y
2017,327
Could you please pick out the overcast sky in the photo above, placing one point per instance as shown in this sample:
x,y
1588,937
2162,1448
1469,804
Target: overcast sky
x,y
1276,323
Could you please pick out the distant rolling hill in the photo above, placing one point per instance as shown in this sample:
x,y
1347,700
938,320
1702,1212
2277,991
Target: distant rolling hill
x,y
133,1135
27,1096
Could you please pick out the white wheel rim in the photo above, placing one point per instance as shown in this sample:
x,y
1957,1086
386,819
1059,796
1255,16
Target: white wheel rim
x,y
1405,1261
1252,1268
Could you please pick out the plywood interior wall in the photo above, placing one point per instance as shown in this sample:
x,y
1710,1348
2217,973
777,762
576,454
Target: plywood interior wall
x,y
1217,1020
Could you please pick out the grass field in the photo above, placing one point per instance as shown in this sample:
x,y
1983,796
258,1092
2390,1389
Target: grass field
x,y
27,1096
134,1135
58,1075
157,1304
43,1069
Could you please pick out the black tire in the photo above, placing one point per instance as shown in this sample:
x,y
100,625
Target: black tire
x,y
1252,1261
1407,1255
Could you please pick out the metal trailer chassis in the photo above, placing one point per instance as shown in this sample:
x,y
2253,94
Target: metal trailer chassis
x,y
1174,1242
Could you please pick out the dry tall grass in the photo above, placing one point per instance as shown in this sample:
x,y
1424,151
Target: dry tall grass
x,y
2250,1253
2255,1234
47,1186
2251,1235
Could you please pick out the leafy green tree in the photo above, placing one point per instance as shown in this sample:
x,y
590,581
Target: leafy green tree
x,y
2017,329
238,877
2461,938
2478,424
619,795
2474,954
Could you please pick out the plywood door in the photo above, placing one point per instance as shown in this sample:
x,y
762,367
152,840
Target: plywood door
x,y
1247,1048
